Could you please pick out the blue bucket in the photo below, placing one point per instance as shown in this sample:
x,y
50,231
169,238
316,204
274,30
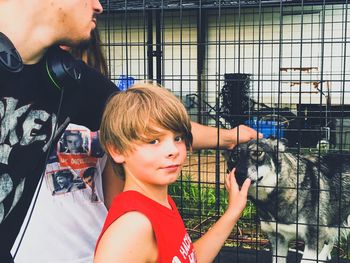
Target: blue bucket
x,y
124,82
268,128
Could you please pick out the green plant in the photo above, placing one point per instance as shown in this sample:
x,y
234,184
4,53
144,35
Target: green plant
x,y
196,197
200,207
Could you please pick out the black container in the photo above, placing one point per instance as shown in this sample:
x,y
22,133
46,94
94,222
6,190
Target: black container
x,y
235,98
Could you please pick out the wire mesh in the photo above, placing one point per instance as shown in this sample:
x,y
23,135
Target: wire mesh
x,y
281,67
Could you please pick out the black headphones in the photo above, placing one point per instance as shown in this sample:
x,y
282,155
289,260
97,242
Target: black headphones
x,y
61,67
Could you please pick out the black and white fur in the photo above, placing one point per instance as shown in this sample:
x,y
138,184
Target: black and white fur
x,y
297,197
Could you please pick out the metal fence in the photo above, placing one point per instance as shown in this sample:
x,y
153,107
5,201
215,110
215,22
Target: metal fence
x,y
281,67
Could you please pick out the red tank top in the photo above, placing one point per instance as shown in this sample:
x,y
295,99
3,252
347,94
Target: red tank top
x,y
174,243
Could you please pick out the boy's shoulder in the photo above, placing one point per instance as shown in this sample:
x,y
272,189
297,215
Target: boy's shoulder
x,y
127,226
126,202
133,231
129,201
136,220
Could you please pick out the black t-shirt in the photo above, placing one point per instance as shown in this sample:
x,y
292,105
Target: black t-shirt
x,y
28,113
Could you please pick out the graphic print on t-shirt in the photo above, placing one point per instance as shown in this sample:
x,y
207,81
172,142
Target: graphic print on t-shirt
x,y
73,163
74,142
186,251
22,129
64,181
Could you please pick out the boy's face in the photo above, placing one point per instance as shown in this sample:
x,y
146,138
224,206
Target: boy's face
x,y
158,162
76,18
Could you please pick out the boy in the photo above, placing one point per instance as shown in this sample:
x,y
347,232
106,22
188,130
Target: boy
x,y
145,131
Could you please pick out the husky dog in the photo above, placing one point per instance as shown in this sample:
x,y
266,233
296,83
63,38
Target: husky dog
x,y
297,197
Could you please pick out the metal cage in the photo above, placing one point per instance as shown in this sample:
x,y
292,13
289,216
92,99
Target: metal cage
x,y
280,67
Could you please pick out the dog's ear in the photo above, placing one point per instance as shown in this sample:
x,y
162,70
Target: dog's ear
x,y
284,141
280,144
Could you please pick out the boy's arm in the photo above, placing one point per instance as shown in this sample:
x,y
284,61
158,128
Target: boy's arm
x,y
209,245
128,239
112,184
205,137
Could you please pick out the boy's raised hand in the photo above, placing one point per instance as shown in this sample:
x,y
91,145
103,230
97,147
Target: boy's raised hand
x,y
237,198
209,245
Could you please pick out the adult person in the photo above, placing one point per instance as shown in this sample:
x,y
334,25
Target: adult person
x,y
36,106
37,102
75,217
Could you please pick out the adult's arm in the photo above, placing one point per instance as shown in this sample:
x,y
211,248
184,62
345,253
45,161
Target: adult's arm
x,y
205,137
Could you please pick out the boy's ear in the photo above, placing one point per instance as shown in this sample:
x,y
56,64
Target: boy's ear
x,y
115,154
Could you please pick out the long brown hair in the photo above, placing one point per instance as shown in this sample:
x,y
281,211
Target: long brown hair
x,y
92,54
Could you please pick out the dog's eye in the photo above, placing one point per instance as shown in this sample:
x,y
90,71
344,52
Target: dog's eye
x,y
256,154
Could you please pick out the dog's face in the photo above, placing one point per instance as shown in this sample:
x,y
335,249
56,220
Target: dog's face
x,y
257,160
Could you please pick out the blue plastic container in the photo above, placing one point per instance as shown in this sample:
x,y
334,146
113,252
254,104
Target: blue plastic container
x,y
124,82
268,128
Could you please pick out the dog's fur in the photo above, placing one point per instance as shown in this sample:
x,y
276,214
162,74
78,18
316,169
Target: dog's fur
x,y
303,197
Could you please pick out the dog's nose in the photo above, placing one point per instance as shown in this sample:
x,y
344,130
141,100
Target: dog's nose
x,y
240,177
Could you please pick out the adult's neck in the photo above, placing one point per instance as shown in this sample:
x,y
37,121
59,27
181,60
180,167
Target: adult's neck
x,y
22,25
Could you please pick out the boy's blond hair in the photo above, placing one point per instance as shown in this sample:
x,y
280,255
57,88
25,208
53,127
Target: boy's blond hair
x,y
133,116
